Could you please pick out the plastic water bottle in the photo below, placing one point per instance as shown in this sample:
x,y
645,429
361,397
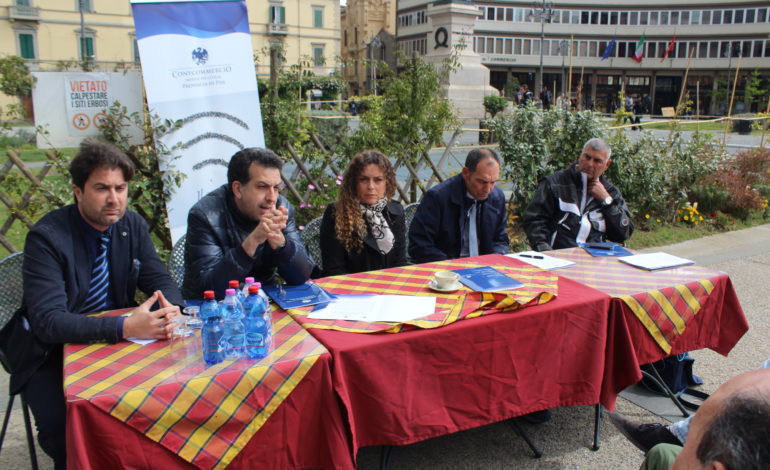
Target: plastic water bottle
x,y
232,314
246,284
212,331
257,323
238,293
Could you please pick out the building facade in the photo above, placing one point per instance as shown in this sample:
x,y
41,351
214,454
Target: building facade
x,y
61,34
707,40
368,36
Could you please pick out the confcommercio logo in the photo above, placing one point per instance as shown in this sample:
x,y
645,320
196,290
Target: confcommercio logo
x,y
200,56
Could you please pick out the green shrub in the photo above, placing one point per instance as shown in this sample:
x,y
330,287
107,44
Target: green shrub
x,y
493,104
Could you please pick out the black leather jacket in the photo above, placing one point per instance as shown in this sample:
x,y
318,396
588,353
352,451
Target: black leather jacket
x,y
553,219
214,255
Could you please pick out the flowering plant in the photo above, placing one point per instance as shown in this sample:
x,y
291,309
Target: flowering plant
x,y
689,214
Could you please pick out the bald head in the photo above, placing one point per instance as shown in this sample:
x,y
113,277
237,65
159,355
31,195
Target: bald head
x,y
731,430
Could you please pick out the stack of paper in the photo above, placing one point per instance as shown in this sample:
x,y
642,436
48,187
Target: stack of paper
x,y
541,260
374,308
655,261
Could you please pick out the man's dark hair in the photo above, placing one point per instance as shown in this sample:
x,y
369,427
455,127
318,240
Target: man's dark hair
x,y
238,168
739,435
477,155
95,154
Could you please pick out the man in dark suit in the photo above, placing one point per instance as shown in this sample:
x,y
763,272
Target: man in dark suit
x,y
464,215
82,258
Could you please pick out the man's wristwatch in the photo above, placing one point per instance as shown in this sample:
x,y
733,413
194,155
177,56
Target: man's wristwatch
x,y
607,201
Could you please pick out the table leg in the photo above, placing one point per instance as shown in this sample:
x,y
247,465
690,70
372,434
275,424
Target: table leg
x,y
525,436
597,426
659,381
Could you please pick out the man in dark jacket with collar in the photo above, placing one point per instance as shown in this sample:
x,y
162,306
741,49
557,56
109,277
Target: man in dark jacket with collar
x,y
578,205
83,258
463,216
244,228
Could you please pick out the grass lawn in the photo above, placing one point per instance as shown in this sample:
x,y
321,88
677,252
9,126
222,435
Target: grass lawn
x,y
712,127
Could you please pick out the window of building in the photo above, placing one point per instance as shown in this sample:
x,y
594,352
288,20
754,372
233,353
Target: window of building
x,y
508,46
757,49
318,55
26,44
738,17
491,14
518,15
500,14
135,48
594,17
24,3
278,14
582,48
517,46
345,37
555,48
727,17
318,17
674,17
633,18
499,45
621,49
84,5
683,52
623,17
706,17
592,49
86,47
695,17
716,17
604,18
750,15
509,14
651,48
767,48
713,49
575,16
527,47
479,45
685,18
761,15
663,17
644,17
703,49
490,45
746,48
535,47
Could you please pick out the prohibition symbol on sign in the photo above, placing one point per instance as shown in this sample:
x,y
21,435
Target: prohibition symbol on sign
x,y
100,120
81,121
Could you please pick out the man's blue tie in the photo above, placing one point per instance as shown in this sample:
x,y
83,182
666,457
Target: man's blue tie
x,y
473,240
100,278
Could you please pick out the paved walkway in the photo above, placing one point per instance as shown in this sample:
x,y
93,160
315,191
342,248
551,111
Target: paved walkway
x,y
565,440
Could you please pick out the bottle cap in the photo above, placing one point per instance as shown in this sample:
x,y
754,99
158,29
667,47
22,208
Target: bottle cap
x,y
209,294
249,280
230,292
258,284
253,289
233,284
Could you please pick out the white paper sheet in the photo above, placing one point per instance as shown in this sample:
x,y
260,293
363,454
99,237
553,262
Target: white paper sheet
x,y
541,260
655,261
143,342
374,308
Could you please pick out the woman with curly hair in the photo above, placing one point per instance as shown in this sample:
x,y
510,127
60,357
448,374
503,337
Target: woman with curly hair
x,y
365,229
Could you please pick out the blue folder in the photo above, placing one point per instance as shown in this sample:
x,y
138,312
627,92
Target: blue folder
x,y
297,296
610,249
486,279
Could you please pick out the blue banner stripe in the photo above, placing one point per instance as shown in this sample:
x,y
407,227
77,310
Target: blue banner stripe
x,y
200,20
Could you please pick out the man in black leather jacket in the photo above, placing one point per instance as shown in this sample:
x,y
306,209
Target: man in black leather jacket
x,y
578,204
244,228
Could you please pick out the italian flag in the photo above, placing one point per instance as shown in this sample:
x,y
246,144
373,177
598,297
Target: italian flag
x,y
639,53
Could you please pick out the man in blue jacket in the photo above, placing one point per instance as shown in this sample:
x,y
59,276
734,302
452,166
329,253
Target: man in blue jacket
x,y
463,216
244,228
83,258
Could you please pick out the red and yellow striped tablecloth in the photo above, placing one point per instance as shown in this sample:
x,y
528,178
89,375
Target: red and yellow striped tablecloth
x,y
204,414
664,301
539,287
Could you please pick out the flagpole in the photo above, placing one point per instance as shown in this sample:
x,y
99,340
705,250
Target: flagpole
x,y
684,83
732,97
569,82
697,106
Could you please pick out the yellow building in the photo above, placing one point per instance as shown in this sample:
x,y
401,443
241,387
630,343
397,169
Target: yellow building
x,y
368,32
61,34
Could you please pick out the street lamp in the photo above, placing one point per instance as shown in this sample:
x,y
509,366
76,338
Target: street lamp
x,y
543,9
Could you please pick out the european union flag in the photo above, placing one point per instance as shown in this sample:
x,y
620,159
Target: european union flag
x,y
610,47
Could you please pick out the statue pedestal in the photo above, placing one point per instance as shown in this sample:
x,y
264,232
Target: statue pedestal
x,y
466,87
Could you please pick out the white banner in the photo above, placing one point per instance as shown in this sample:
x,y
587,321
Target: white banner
x,y
198,67
71,106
